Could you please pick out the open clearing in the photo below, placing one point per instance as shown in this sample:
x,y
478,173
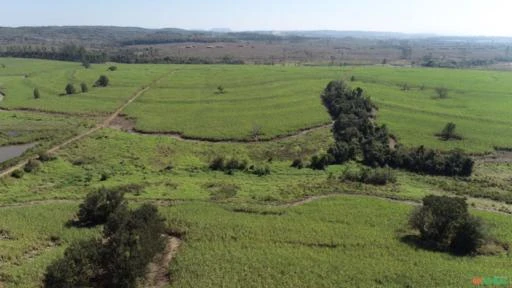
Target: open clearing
x,y
241,230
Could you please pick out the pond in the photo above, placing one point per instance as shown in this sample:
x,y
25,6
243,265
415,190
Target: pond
x,y
13,151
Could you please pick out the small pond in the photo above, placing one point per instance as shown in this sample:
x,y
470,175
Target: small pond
x,y
12,151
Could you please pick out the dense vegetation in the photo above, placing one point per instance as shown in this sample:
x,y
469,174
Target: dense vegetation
x,y
130,241
355,133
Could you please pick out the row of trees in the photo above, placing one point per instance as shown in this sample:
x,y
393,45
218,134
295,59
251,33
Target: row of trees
x,y
357,136
64,53
70,89
131,239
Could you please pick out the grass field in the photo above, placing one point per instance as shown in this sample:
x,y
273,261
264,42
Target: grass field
x,y
292,228
267,101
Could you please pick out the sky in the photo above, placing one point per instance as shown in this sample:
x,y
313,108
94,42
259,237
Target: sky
x,y
444,17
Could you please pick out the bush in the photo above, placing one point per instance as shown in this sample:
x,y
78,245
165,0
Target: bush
x,y
45,157
297,163
445,222
131,239
442,92
448,132
98,206
102,81
70,89
31,165
260,171
379,176
320,162
78,267
228,166
37,95
17,174
112,68
217,164
84,88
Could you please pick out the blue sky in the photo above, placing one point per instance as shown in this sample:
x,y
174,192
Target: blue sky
x,y
453,17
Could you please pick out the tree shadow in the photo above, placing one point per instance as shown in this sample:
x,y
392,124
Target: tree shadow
x,y
417,242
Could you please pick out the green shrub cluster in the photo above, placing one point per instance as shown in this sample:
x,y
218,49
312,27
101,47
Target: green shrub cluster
x,y
356,134
378,176
131,239
446,223
230,165
98,206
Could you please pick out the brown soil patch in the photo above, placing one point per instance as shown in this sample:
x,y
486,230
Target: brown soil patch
x,y
158,271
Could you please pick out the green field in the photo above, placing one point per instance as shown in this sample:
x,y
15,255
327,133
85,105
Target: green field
x,y
291,228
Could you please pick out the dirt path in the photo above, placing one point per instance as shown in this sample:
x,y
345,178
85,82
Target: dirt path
x,y
128,125
104,124
158,275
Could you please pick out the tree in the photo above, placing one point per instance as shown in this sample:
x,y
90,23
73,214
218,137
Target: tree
x,y
84,87
442,92
98,206
37,95
102,81
70,89
448,132
445,222
86,64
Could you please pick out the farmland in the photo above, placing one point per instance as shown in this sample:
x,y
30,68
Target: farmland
x,y
290,228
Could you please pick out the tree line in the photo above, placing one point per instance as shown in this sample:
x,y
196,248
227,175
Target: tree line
x,y
357,136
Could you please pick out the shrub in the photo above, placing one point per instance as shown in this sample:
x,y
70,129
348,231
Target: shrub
x,y
112,68
442,92
84,88
352,78
320,162
31,165
379,176
221,90
260,171
98,206
70,89
297,163
448,132
217,164
102,81
45,157
78,267
445,222
37,95
235,164
17,174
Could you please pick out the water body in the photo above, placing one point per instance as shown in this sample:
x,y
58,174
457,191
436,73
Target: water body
x,y
12,151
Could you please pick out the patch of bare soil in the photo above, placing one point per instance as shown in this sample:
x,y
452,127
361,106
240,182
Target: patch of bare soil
x,y
123,123
392,143
499,156
158,271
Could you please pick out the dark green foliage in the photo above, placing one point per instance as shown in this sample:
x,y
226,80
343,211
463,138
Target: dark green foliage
x,y
112,68
78,268
259,170
98,206
442,92
353,78
45,157
297,163
17,174
320,162
428,161
70,89
235,164
379,176
84,88
220,90
448,132
86,64
131,239
445,222
217,164
102,81
356,134
134,238
32,165
37,95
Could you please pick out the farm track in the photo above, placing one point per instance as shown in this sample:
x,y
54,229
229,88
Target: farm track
x,y
158,275
124,125
102,125
295,203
